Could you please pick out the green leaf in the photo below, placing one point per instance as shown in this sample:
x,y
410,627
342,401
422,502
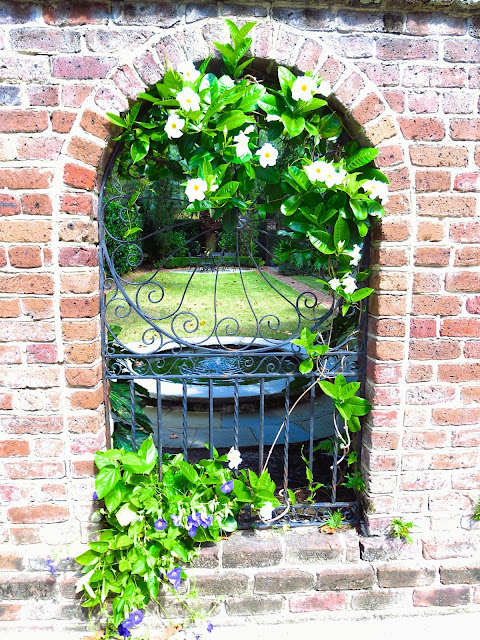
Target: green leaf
x,y
306,366
139,149
115,496
188,471
348,390
226,191
133,462
290,205
106,479
322,241
250,96
120,122
360,158
87,558
341,232
148,451
99,547
314,103
299,176
272,104
199,205
330,126
286,79
360,294
363,207
229,220
233,120
328,388
270,175
122,542
241,491
130,232
293,125
229,524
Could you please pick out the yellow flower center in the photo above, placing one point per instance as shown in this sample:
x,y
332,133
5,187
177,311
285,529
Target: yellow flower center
x,y
304,87
174,126
267,155
318,170
196,187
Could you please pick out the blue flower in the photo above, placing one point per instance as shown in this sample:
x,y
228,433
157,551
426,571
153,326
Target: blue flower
x,y
51,565
177,520
209,627
192,531
193,522
227,487
206,521
137,616
95,496
173,576
123,630
160,524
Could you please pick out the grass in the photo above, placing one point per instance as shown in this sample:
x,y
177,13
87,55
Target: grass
x,y
186,297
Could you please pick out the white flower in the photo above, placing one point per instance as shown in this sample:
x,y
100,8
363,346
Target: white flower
x,y
82,583
376,189
173,126
188,72
267,155
126,515
188,99
249,129
195,189
321,171
234,458
356,256
335,283
333,177
325,88
349,284
241,146
271,118
303,88
266,511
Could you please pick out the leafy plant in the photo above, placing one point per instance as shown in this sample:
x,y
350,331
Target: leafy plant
x,y
335,520
152,525
476,513
354,481
121,414
313,487
402,529
348,405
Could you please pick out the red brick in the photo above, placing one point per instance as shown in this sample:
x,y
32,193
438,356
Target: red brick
x,y
467,182
79,177
9,612
25,535
37,204
25,257
38,513
438,156
457,50
465,231
399,48
78,257
23,120
433,180
39,148
383,396
465,372
382,439
395,99
328,601
471,349
423,481
460,327
42,353
422,128
66,15
6,401
33,470
25,230
85,151
79,307
465,129
82,353
425,23
434,350
151,71
466,437
453,206
426,282
388,257
421,76
399,179
466,480
457,102
431,394
349,90
25,178
387,327
386,349
81,67
9,205
424,102
368,109
49,448
33,284
26,331
62,121
128,83
419,373
467,256
391,231
463,281
456,416
43,96
436,305
10,354
83,468
430,231
387,305
74,95
83,376
473,305
33,425
90,399
383,374
463,460
425,439
11,448
441,597
37,308
96,124
78,330
390,155
432,256
79,282
388,281
9,308
380,130
40,39
77,203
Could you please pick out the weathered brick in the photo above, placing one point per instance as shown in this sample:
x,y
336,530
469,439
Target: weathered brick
x,y
283,581
434,350
43,39
76,14
27,587
32,425
460,574
85,151
423,481
361,576
81,67
38,204
433,180
40,284
251,551
25,178
325,601
422,128
438,156
441,305
467,256
254,605
96,124
23,120
424,102
159,14
404,575
74,95
378,600
447,416
43,96
79,177
29,470
62,121
465,129
213,584
462,281
441,597
400,48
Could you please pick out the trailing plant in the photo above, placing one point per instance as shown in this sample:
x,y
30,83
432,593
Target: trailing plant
x,y
153,525
402,529
335,520
476,513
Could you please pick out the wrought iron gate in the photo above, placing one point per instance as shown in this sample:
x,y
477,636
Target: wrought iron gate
x,y
197,326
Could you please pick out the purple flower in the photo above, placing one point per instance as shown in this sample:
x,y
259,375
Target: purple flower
x,y
173,576
160,524
177,520
193,522
227,487
206,521
123,630
51,565
192,532
137,616
209,627
95,496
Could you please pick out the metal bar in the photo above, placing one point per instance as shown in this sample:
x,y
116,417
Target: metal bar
x,y
133,435
286,443
312,422
210,417
261,426
235,414
185,422
159,427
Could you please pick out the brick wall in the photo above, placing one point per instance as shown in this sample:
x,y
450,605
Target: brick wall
x,y
406,81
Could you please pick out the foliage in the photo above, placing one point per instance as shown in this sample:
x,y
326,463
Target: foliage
x,y
153,526
476,513
402,529
348,405
120,240
335,520
121,414
313,487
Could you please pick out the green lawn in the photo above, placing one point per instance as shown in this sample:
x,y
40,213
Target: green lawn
x,y
246,298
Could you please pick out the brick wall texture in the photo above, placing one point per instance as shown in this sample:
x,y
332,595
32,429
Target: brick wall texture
x,y
405,81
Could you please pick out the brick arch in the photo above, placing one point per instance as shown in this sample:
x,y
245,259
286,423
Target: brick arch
x,y
368,118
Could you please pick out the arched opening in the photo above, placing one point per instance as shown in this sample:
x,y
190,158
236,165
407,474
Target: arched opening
x,y
198,325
